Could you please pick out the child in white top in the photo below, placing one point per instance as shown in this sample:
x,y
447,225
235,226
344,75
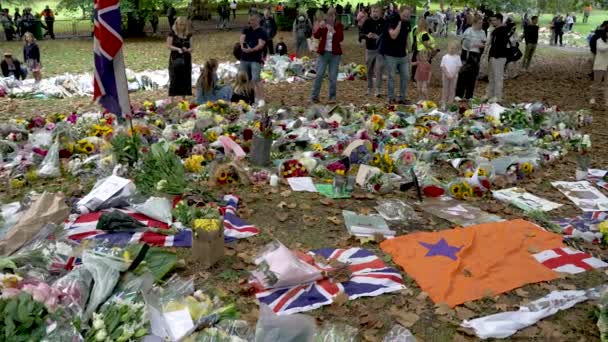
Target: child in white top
x,y
450,66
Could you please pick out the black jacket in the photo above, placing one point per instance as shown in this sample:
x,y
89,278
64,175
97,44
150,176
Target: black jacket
x,y
18,73
500,42
31,51
372,26
531,34
269,26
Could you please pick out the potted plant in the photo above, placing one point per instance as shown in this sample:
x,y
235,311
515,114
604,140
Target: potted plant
x,y
262,142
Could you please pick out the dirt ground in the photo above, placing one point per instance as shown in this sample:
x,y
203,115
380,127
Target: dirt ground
x,y
555,77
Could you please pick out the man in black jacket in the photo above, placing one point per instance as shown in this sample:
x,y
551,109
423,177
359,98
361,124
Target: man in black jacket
x,y
12,67
270,28
498,58
371,31
531,37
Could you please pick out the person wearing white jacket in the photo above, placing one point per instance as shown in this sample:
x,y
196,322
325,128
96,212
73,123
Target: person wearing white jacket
x,y
600,68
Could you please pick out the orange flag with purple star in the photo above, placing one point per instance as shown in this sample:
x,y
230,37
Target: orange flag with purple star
x,y
458,265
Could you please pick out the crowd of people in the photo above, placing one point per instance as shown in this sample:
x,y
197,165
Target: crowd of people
x,y
17,24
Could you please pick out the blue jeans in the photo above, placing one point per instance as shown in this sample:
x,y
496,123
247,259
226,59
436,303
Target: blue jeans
x,y
323,61
394,64
252,69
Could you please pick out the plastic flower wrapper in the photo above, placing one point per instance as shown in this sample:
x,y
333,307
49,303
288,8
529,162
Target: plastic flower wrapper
x,y
158,208
336,333
74,289
50,165
279,267
399,334
404,160
225,331
105,269
272,327
395,210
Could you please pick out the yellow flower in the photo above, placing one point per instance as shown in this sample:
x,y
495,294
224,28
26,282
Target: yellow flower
x,y
316,147
466,195
184,105
527,168
468,113
148,104
482,172
209,225
194,163
426,105
603,227
84,146
456,190
506,130
209,104
17,183
31,175
376,159
469,174
387,158
19,121
222,176
212,136
340,172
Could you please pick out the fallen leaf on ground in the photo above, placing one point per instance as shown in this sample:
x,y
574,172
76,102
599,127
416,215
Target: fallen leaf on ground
x,y
282,205
341,298
364,211
467,273
522,293
548,287
463,313
326,201
305,206
407,319
422,296
286,193
443,309
291,205
335,220
282,217
528,332
310,220
501,306
568,287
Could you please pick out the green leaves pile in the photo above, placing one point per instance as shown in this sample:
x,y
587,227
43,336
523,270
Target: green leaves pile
x,y
161,171
22,319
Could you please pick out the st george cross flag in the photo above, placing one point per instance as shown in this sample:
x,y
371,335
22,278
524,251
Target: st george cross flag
x,y
110,81
568,260
85,227
370,277
458,265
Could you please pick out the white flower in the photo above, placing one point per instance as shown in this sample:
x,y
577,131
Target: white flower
x,y
101,335
98,323
161,185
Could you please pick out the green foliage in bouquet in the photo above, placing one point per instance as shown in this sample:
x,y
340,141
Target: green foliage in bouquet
x,y
22,319
125,148
161,171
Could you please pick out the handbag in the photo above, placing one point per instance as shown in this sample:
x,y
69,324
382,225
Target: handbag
x,y
514,53
179,62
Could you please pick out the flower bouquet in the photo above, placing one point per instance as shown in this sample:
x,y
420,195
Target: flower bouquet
x,y
119,320
582,147
161,171
225,174
384,162
292,168
262,142
220,106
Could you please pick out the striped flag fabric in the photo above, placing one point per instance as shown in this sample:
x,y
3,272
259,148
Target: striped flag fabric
x,y
110,88
234,227
568,260
587,222
85,227
370,277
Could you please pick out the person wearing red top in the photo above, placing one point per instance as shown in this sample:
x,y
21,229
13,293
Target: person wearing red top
x,y
330,33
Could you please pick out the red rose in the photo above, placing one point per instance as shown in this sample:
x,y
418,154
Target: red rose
x,y
486,183
377,187
395,134
65,154
247,134
433,191
193,105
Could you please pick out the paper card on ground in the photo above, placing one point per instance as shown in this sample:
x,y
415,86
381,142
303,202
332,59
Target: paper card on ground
x,y
524,200
302,184
103,192
361,225
596,173
584,195
364,170
458,212
327,190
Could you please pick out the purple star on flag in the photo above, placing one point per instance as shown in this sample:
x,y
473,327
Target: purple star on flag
x,y
441,248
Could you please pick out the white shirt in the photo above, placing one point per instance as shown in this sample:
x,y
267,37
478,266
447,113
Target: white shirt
x,y
600,62
472,37
328,42
451,63
569,20
233,5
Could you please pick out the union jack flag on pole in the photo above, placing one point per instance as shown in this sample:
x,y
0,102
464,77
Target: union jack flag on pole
x,y
110,81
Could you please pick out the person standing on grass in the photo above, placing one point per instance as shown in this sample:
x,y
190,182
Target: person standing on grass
x,y
586,13
171,14
473,43
371,31
270,28
253,39
498,53
49,20
179,42
7,24
558,28
302,30
233,7
423,75
569,22
531,37
450,66
422,41
330,33
31,56
600,66
394,49
17,21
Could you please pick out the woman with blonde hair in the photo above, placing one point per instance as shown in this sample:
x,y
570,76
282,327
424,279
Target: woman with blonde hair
x,y
31,55
207,87
243,89
179,42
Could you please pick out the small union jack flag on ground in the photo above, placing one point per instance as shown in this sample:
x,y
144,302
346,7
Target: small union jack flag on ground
x,y
370,277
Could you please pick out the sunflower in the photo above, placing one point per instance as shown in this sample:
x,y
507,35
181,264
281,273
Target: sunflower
x,y
469,174
466,195
426,105
456,190
527,168
468,113
482,172
84,146
212,136
184,105
223,176
230,180
17,183
376,159
317,147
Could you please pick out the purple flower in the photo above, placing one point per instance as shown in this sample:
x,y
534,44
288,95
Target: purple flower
x,y
72,118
